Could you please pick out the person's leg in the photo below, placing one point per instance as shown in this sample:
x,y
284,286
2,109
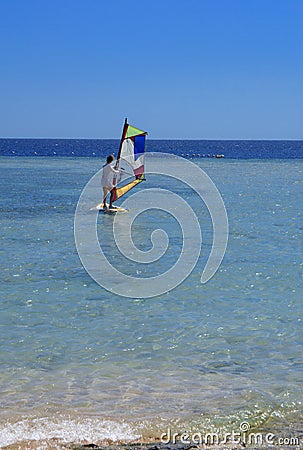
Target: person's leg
x,y
105,192
111,198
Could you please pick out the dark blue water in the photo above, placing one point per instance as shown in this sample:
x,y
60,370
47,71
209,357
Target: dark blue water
x,y
185,148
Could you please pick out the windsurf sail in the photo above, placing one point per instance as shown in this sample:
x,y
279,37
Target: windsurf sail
x,y
130,159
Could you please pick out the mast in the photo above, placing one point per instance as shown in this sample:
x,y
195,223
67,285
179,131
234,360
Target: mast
x,y
113,195
134,151
121,143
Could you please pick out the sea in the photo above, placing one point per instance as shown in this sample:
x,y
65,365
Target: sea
x,y
81,364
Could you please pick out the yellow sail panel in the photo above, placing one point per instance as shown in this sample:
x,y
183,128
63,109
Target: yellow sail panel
x,y
122,190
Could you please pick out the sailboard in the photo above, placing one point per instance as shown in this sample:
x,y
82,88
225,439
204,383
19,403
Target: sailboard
x,y
115,209
130,160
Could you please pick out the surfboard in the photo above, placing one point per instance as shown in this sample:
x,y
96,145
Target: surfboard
x,y
116,209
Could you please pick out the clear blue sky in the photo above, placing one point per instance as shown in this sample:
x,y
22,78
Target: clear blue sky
x,y
190,69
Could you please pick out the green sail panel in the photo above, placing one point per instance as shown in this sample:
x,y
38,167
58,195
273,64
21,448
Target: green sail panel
x,y
132,131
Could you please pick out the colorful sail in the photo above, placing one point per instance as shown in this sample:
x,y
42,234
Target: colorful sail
x,y
132,155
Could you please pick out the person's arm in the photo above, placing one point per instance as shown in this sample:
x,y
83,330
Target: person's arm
x,y
114,170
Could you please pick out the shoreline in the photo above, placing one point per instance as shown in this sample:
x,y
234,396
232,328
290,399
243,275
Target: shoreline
x,y
105,434
155,445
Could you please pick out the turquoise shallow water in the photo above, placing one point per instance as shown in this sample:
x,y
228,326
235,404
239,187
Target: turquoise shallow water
x,y
79,362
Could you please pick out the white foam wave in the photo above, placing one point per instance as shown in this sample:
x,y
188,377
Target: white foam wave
x,y
66,430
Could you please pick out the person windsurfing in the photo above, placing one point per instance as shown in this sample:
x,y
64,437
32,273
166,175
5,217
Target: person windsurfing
x,y
108,181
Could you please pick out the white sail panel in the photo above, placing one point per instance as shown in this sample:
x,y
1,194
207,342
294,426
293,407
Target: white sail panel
x,y
128,154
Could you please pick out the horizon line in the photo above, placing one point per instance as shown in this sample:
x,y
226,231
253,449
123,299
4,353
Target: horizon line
x,y
160,139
